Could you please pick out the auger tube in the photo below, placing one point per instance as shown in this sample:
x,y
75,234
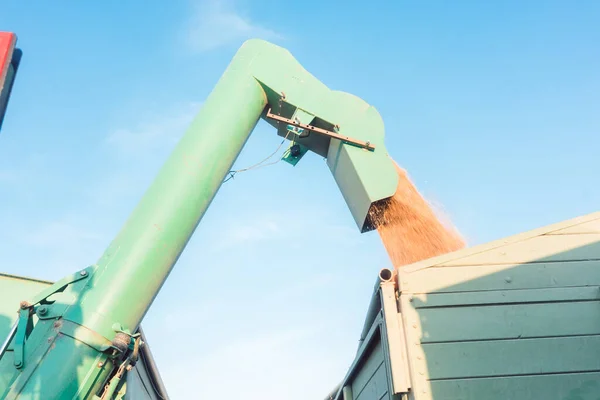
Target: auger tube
x,y
71,358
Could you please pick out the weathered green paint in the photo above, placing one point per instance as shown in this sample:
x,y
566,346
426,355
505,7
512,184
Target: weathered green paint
x,y
371,381
126,279
500,358
502,277
583,386
455,323
526,305
513,296
14,289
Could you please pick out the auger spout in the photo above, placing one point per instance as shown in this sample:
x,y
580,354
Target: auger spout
x,y
111,299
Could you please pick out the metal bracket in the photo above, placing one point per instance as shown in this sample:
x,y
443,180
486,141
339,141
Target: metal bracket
x,y
119,329
24,328
25,323
59,285
320,131
297,150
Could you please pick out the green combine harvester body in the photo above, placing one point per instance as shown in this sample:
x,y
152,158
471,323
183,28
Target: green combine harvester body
x,y
514,319
143,382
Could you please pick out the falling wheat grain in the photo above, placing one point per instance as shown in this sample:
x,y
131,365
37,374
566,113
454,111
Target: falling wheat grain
x,y
409,228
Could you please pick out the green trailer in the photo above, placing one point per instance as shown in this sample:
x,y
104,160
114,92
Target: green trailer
x,y
514,319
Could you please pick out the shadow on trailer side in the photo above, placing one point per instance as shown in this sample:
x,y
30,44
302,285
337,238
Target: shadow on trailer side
x,y
517,318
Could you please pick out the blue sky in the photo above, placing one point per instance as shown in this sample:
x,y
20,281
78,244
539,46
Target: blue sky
x,y
493,107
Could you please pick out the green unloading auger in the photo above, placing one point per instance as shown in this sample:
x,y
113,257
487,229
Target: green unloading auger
x,y
77,339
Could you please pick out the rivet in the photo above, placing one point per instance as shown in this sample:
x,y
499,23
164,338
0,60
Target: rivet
x,y
508,279
100,364
43,310
83,273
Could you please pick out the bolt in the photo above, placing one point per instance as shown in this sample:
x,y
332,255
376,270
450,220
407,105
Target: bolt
x,y
83,273
100,364
24,305
43,310
18,364
411,299
295,151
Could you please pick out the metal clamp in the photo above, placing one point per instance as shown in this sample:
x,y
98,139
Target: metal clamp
x,y
24,324
59,286
321,131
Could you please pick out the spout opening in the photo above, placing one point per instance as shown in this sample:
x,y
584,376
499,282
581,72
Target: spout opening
x,y
386,275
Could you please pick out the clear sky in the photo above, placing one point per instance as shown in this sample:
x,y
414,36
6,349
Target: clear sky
x,y
493,107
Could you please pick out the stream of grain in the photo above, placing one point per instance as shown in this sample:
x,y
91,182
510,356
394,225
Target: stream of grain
x,y
409,227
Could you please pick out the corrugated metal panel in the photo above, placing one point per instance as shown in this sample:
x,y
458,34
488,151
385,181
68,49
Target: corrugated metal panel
x,y
516,319
501,277
371,380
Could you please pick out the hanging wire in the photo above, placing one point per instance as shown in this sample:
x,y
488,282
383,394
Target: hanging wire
x,y
261,164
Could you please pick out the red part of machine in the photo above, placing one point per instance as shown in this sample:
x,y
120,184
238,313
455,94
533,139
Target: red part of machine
x,y
9,62
7,45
